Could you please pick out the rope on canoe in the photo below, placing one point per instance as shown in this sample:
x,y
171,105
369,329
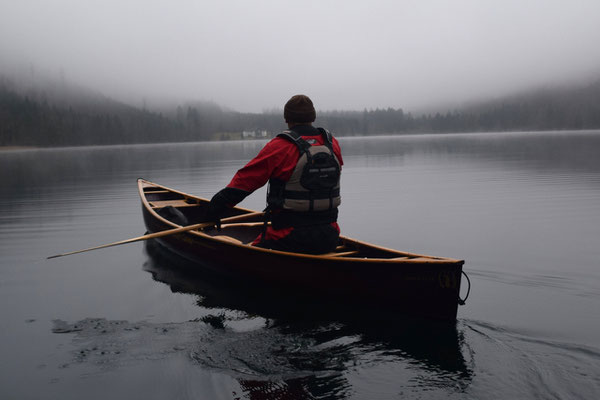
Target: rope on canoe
x,y
462,301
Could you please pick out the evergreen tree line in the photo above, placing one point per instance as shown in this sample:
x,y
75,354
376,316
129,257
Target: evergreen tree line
x,y
35,121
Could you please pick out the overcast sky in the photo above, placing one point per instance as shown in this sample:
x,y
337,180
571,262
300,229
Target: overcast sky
x,y
253,55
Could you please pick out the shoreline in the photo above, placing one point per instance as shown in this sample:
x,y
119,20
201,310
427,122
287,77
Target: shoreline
x,y
15,148
24,148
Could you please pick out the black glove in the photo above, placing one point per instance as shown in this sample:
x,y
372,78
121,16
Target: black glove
x,y
222,201
216,208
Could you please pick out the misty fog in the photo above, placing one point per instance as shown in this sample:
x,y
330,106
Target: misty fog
x,y
252,56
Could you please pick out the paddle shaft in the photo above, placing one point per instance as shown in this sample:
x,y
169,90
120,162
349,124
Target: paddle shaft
x,y
154,235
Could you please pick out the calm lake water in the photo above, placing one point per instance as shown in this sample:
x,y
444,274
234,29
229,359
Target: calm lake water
x,y
523,210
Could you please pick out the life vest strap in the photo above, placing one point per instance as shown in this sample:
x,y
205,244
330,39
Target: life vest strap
x,y
312,194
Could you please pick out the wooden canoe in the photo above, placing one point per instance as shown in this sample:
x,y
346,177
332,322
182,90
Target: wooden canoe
x,y
357,272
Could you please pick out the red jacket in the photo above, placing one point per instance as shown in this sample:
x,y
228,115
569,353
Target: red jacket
x,y
276,160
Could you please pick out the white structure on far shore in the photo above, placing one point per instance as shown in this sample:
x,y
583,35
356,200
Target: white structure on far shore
x,y
254,134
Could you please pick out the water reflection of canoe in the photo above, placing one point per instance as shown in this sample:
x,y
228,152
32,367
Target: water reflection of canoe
x,y
356,272
435,346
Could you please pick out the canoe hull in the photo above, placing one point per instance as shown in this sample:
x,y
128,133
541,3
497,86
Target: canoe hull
x,y
422,289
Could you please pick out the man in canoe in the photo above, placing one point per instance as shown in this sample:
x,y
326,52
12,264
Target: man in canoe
x,y
302,166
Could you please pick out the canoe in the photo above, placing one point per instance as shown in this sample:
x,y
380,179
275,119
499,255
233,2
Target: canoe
x,y
355,273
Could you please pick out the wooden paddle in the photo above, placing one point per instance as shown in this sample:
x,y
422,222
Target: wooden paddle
x,y
235,218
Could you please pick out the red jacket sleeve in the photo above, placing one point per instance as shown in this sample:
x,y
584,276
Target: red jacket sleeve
x,y
337,151
276,160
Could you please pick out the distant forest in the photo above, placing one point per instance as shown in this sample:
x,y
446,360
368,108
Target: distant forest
x,y
66,116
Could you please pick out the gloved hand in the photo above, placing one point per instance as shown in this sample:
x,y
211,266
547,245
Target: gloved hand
x,y
221,201
215,210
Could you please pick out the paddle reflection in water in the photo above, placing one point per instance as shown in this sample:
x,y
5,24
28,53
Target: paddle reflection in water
x,y
280,344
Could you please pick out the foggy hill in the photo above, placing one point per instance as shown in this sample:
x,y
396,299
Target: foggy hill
x,y
548,108
58,113
573,107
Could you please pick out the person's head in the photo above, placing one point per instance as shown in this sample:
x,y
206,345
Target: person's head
x,y
299,110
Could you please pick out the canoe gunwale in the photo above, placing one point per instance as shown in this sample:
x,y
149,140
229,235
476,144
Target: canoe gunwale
x,y
421,259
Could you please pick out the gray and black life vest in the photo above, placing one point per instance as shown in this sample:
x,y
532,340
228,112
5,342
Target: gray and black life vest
x,y
313,190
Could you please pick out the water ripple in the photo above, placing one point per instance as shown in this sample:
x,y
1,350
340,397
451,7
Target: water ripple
x,y
532,367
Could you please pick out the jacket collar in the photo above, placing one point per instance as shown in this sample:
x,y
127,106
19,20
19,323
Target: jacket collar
x,y
305,130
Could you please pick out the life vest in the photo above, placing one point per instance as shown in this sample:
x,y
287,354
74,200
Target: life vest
x,y
313,191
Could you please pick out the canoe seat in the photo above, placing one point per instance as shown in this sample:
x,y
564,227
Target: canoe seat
x,y
174,203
